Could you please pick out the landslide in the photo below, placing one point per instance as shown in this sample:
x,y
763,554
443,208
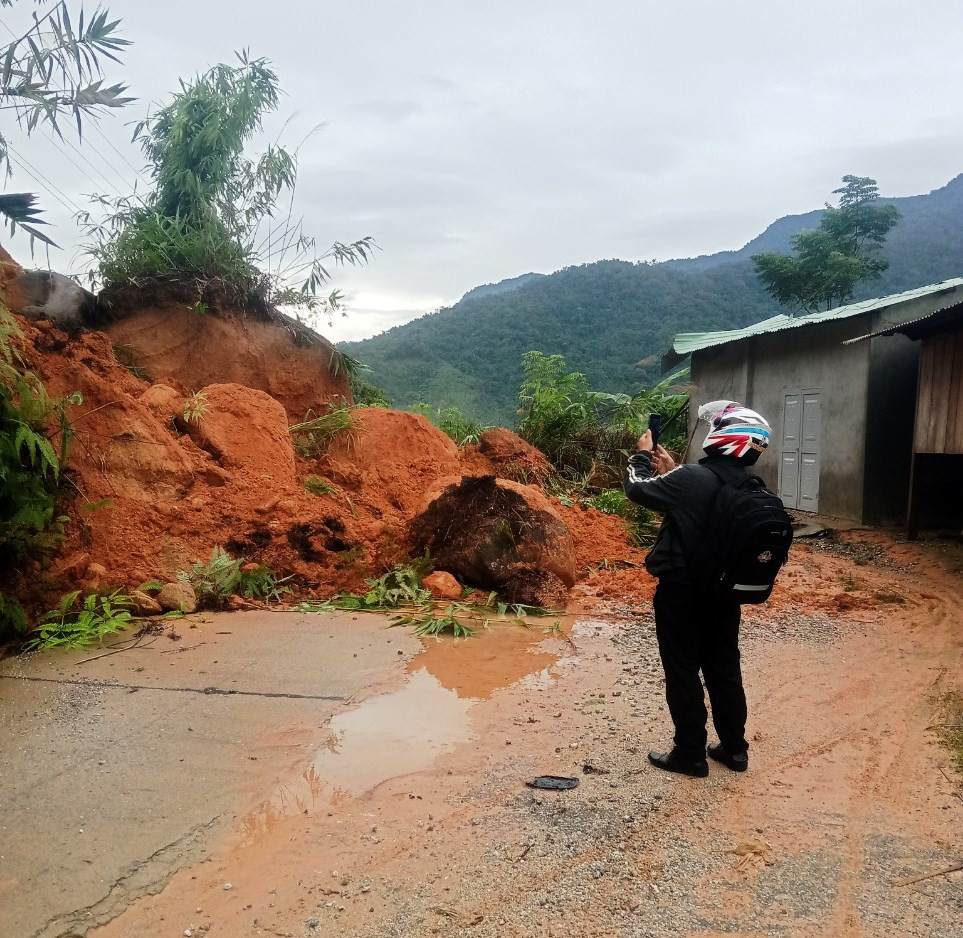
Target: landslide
x,y
147,492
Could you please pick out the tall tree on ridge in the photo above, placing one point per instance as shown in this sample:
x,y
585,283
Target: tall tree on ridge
x,y
829,261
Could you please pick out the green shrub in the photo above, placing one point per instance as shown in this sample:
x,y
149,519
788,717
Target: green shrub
x,y
642,526
73,626
452,422
586,433
209,218
368,395
30,465
13,619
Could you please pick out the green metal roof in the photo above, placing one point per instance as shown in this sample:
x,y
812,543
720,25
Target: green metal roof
x,y
685,343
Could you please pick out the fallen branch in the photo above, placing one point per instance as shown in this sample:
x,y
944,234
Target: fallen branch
x,y
94,411
919,879
524,853
134,644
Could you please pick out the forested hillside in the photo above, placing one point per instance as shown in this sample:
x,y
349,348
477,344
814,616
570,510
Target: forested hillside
x,y
612,319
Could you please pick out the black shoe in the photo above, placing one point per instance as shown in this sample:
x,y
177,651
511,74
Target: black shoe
x,y
738,762
673,762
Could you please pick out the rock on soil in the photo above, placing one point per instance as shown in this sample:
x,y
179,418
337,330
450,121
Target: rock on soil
x,y
155,493
177,597
513,458
498,535
243,428
142,604
45,294
391,456
442,585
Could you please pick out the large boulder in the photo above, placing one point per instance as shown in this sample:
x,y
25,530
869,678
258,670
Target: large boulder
x,y
244,429
498,535
120,449
43,294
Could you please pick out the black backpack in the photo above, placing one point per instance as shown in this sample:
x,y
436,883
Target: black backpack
x,y
745,543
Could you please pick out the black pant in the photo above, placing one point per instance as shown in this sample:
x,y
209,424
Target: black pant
x,y
695,634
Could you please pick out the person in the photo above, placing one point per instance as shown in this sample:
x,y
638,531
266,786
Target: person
x,y
694,632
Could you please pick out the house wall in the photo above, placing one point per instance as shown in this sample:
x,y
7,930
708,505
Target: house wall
x,y
868,401
939,415
760,371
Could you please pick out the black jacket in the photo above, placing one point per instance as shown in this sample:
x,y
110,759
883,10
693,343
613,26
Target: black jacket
x,y
685,495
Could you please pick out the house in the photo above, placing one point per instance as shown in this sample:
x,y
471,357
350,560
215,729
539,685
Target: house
x,y
936,470
842,412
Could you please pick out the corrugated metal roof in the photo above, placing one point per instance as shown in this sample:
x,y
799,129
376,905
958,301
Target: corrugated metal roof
x,y
687,342
943,313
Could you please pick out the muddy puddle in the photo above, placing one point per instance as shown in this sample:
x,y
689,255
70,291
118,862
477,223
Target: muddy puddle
x,y
404,732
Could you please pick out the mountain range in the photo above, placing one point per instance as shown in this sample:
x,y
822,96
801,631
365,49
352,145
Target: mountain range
x,y
611,319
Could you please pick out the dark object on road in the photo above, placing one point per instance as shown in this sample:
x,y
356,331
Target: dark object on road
x,y
591,769
737,761
553,782
673,762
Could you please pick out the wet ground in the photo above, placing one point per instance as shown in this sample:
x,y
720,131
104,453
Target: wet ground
x,y
384,795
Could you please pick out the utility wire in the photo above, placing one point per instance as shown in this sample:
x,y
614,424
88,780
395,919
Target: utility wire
x,y
120,153
85,172
38,177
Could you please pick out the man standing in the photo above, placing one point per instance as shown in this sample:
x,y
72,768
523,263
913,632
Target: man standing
x,y
695,631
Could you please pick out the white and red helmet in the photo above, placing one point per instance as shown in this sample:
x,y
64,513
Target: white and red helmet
x,y
734,430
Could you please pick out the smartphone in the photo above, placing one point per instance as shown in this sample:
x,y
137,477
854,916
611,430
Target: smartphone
x,y
655,425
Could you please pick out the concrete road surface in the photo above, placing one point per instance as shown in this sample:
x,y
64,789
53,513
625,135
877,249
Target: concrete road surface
x,y
117,770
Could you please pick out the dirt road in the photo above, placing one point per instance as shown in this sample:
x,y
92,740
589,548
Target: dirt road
x,y
406,814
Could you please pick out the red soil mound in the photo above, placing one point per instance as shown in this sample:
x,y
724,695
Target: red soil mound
x,y
190,350
151,492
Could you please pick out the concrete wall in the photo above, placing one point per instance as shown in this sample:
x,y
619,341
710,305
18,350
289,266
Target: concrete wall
x,y
760,371
715,374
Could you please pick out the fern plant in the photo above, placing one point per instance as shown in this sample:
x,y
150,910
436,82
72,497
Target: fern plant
x,y
30,465
68,626
222,576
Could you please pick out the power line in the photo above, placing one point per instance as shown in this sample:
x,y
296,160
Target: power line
x,y
111,144
112,187
38,177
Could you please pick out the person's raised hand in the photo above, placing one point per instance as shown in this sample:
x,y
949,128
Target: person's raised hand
x,y
644,444
662,462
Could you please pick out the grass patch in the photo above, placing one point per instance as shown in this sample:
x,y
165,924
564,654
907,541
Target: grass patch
x,y
313,434
318,486
950,726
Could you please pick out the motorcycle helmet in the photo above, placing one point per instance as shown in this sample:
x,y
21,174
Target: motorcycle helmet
x,y
734,430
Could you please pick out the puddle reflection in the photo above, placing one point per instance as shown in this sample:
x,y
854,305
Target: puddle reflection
x,y
385,737
405,731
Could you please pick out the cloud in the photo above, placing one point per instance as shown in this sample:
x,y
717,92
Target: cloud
x,y
478,141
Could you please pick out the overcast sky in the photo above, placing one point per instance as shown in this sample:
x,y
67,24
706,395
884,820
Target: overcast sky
x,y
479,140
